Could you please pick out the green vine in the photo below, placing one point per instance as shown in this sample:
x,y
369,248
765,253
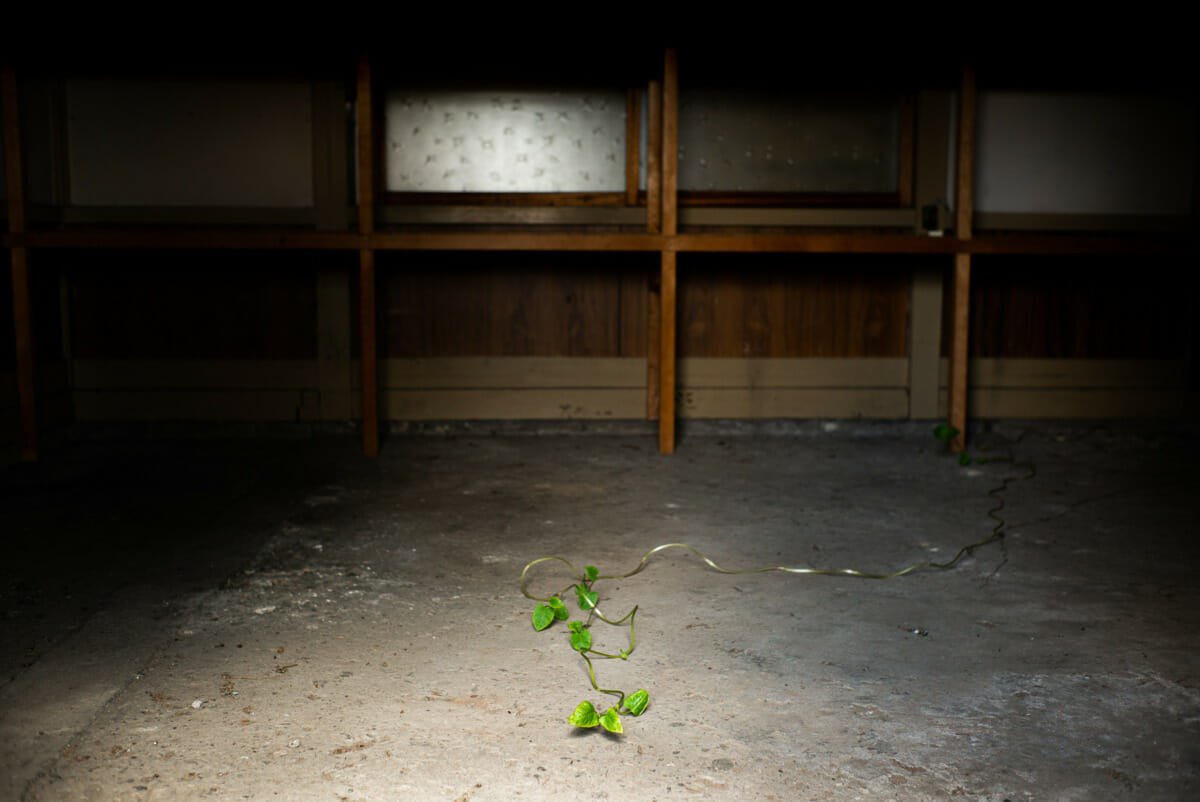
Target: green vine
x,y
552,608
945,432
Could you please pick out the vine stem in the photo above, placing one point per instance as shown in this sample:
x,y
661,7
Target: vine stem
x,y
592,675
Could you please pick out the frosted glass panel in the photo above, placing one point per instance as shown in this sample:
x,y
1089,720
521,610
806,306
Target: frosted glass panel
x,y
461,141
732,141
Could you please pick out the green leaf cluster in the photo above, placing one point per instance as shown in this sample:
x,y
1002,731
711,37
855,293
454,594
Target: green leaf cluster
x,y
553,609
586,715
546,614
945,432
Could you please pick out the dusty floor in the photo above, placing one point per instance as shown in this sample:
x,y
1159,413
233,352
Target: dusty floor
x,y
289,620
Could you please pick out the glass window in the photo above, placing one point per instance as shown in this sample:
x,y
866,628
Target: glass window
x,y
767,142
450,141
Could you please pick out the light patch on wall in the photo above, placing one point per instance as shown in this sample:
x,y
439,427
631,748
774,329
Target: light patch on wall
x,y
147,142
1085,153
505,141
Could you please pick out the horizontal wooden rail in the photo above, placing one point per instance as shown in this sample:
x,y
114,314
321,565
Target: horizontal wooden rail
x,y
199,238
551,240
514,241
811,243
790,242
1079,244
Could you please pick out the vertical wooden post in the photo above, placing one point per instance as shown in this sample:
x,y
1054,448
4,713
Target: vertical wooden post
x,y
653,226
670,143
366,259
22,308
654,133
668,273
666,411
964,203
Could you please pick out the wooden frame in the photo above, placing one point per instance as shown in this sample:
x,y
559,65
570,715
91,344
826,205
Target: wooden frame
x,y
661,200
960,282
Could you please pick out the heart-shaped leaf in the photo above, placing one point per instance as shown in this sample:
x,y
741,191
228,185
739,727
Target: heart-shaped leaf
x,y
587,598
592,572
560,609
636,703
611,720
585,715
543,617
581,640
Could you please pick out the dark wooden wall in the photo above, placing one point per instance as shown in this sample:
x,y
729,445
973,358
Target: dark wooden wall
x,y
793,305
262,305
47,329
1081,307
513,304
193,304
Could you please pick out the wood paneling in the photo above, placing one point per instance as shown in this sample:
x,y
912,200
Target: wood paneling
x,y
192,304
44,304
787,306
504,304
1080,307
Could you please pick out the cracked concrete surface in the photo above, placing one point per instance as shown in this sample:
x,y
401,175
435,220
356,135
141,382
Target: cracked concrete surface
x,y
289,620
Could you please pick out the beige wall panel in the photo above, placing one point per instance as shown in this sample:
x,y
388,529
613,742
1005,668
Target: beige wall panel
x,y
925,340
1074,373
698,372
793,403
995,402
500,404
513,372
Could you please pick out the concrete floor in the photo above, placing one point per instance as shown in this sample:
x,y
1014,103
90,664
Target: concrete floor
x,y
289,620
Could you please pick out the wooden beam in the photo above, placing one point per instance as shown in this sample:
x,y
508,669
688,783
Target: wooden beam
x,y
513,241
1081,244
669,167
653,345
366,259
368,356
670,143
666,401
22,308
220,239
960,291
812,243
654,158
633,142
964,206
